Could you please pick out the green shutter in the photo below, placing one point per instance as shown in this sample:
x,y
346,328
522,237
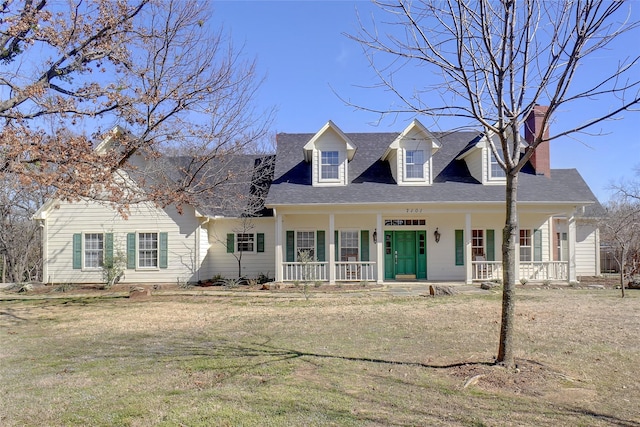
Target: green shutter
x,y
77,251
131,250
459,247
163,255
491,245
290,248
230,243
364,245
260,243
321,255
537,245
108,249
336,247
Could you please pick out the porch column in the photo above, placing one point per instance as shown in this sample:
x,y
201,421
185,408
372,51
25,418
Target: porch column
x,y
571,242
380,250
332,250
467,250
279,269
596,249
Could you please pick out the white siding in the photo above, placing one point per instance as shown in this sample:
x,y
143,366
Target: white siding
x,y
330,141
586,251
475,164
66,219
252,263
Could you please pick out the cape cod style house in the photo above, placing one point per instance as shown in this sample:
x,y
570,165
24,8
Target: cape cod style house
x,y
414,205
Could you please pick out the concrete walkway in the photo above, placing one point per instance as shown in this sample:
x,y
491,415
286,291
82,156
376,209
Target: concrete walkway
x,y
422,288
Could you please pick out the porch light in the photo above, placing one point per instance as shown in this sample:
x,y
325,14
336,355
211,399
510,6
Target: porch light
x,y
436,235
375,235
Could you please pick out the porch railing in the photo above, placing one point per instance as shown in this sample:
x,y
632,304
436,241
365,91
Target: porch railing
x,y
306,271
544,270
529,270
486,270
355,271
346,271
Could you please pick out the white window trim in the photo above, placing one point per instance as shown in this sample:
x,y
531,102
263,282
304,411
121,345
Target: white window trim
x,y
404,167
84,248
296,249
530,245
491,178
138,266
254,241
320,164
339,243
484,242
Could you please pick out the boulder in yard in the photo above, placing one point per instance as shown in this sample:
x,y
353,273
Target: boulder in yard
x,y
139,293
441,290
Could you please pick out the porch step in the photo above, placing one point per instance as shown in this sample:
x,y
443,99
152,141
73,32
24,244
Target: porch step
x,y
405,277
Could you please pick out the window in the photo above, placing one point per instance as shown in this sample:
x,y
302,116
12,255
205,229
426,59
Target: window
x,y
329,165
348,245
525,245
246,242
477,244
305,243
414,164
148,250
563,248
496,170
93,250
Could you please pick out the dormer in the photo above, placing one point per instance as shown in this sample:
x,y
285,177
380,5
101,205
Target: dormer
x,y
329,151
482,163
410,155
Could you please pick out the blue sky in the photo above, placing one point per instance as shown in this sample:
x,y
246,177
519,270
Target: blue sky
x,y
301,50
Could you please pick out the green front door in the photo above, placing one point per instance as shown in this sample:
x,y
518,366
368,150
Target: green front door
x,y
406,253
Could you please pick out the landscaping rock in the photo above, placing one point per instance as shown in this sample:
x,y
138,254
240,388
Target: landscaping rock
x,y
488,285
441,290
139,293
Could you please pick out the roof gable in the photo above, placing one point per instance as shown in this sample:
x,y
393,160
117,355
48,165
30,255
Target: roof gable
x,y
328,127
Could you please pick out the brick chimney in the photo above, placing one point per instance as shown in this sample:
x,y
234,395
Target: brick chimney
x,y
533,126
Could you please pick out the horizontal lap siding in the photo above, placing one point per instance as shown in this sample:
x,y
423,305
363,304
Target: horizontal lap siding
x,y
219,262
586,251
69,218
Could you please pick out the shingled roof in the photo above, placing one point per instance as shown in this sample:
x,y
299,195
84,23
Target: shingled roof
x,y
370,180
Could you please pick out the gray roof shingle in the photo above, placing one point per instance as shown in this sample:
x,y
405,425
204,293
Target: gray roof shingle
x,y
370,179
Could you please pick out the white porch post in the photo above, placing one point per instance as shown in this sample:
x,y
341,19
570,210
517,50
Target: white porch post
x,y
332,250
467,250
380,250
571,242
279,269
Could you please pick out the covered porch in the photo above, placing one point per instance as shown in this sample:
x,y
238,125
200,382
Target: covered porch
x,y
393,245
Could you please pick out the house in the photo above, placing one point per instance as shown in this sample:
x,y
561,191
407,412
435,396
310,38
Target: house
x,y
414,205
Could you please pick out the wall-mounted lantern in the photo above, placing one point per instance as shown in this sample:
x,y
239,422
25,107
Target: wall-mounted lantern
x,y
375,235
436,235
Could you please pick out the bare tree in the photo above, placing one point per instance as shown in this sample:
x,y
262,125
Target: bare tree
x,y
489,63
19,235
621,232
156,68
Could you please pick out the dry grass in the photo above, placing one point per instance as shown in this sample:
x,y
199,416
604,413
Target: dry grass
x,y
336,360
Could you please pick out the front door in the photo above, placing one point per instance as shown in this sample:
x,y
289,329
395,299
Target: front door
x,y
405,255
405,246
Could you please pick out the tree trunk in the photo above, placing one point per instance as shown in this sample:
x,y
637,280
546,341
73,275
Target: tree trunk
x,y
509,274
623,258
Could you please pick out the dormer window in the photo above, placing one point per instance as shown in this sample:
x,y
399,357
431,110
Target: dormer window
x,y
414,164
329,165
496,170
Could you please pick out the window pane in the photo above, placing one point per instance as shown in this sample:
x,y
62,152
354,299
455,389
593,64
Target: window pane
x,y
415,164
477,243
496,170
329,165
93,250
349,245
306,243
525,245
245,242
148,250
